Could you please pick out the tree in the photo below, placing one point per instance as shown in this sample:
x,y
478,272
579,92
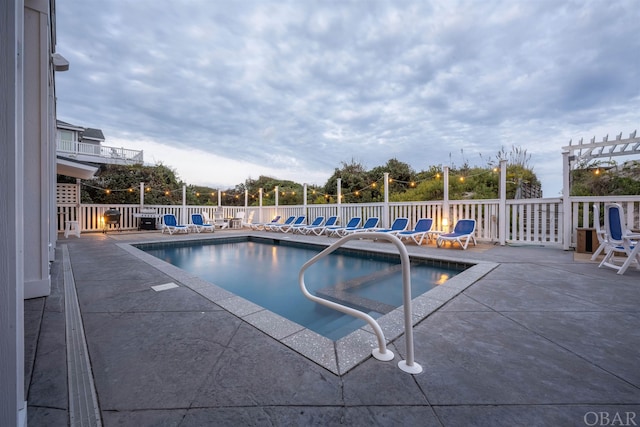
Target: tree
x,y
354,183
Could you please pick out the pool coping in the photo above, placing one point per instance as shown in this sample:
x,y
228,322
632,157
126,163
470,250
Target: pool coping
x,y
336,356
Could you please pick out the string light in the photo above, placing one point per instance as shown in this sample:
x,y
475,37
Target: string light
x,y
356,192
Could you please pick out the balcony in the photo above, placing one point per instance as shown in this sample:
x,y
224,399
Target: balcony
x,y
97,153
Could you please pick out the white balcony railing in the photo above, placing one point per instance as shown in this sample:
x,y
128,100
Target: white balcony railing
x,y
97,153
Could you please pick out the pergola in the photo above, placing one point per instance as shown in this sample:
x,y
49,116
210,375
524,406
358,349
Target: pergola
x,y
580,153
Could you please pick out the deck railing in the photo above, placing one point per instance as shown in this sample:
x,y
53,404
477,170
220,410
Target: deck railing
x,y
528,221
98,153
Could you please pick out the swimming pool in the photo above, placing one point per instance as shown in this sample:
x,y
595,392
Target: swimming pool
x,y
265,272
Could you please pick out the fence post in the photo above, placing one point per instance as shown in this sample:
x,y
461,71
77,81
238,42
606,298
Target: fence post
x,y
385,213
566,203
260,205
339,184
445,201
184,205
502,208
304,200
78,200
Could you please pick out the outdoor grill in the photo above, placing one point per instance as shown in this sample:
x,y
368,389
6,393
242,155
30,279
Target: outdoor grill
x,y
147,219
111,217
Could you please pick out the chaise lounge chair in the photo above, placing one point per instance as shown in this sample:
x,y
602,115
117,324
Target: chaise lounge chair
x,y
399,224
248,221
319,229
419,232
171,225
353,222
302,227
298,222
198,223
219,220
274,227
261,225
369,225
463,231
620,241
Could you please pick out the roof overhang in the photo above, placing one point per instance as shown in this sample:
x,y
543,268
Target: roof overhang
x,y
75,169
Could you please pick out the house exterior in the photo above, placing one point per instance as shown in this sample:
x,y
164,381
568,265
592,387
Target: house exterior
x,y
77,143
27,181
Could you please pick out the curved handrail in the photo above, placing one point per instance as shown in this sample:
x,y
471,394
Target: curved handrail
x,y
381,353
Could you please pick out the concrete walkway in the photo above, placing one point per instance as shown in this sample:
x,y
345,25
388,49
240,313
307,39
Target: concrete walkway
x,y
542,340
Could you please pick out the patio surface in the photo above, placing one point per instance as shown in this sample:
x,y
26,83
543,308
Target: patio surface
x,y
546,338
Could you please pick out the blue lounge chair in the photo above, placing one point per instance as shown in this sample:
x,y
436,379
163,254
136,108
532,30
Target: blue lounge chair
x,y
620,241
170,224
302,227
369,225
262,225
273,227
399,224
318,230
419,232
288,227
199,225
463,231
353,222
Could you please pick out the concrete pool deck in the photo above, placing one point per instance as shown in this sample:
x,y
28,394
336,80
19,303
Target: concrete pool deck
x,y
544,338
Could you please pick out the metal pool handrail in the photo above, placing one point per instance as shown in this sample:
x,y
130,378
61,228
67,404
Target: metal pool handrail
x,y
381,353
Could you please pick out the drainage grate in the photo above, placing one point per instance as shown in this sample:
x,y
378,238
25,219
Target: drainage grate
x,y
164,287
83,402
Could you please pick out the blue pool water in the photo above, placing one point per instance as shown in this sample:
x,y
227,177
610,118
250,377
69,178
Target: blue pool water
x,y
265,272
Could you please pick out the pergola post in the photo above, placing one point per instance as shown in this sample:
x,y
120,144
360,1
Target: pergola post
x,y
566,202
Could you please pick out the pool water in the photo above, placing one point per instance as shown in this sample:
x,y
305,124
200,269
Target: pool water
x,y
266,273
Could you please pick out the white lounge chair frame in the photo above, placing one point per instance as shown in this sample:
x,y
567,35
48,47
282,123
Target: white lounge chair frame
x,y
462,234
620,241
418,235
170,223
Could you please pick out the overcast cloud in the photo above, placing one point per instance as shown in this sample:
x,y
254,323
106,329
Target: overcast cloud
x,y
222,91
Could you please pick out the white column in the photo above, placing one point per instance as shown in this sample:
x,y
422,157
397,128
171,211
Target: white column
x,y
275,190
445,201
304,200
37,121
141,195
183,215
567,232
385,214
13,407
343,220
260,211
502,208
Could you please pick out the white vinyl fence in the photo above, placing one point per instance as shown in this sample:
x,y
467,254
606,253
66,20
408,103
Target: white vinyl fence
x,y
527,221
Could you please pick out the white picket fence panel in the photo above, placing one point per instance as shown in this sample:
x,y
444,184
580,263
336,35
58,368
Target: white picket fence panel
x,y
529,221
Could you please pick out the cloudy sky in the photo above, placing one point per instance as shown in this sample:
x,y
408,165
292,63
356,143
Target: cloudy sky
x,y
225,90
